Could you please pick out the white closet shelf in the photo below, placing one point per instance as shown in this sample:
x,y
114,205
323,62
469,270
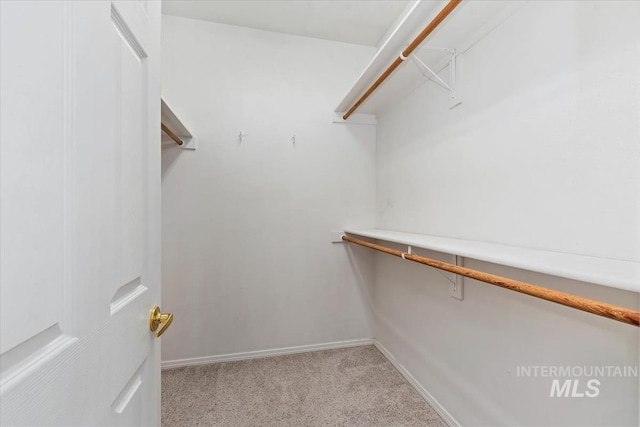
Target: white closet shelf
x,y
468,23
171,120
613,273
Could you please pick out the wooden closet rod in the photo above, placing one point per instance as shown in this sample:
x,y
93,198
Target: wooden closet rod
x,y
405,54
620,314
170,133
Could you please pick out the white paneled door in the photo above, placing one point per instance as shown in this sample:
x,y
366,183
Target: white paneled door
x,y
79,213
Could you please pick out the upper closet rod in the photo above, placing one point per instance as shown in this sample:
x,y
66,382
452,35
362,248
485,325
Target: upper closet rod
x,y
405,54
620,314
170,133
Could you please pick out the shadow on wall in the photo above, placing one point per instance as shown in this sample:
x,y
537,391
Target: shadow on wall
x,y
362,262
474,356
170,152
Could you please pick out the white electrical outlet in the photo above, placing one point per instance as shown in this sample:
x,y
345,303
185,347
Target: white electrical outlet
x,y
456,290
336,236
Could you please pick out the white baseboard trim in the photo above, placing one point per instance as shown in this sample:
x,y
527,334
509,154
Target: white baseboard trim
x,y
446,416
178,363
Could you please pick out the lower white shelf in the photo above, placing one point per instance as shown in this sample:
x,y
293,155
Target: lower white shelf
x,y
601,271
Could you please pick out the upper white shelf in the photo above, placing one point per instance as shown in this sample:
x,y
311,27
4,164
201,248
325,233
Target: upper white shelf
x,y
468,23
170,119
601,271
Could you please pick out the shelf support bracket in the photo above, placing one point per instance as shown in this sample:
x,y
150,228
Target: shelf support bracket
x,y
456,289
454,96
456,285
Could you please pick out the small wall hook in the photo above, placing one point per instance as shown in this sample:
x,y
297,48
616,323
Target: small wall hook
x,y
240,136
293,139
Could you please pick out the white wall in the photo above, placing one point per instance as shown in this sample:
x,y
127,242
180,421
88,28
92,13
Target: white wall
x,y
247,259
544,152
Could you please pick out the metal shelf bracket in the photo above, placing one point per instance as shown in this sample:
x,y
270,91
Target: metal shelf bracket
x,y
451,86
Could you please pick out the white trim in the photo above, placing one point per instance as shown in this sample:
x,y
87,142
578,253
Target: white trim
x,y
168,364
446,416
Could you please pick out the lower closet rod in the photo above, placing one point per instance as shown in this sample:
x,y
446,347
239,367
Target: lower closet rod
x,y
620,314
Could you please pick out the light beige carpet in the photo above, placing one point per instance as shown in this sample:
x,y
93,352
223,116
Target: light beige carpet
x,y
346,387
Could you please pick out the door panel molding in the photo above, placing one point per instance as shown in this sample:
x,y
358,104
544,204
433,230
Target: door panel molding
x,y
23,360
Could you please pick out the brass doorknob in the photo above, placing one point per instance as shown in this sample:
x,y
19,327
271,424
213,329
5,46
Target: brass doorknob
x,y
158,318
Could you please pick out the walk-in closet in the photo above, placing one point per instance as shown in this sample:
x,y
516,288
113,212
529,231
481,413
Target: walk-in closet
x,y
314,213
